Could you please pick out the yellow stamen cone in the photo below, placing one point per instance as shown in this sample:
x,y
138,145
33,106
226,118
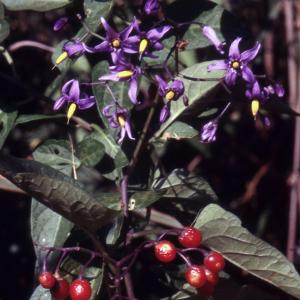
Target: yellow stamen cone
x,y
71,110
61,58
170,95
121,121
255,107
125,74
143,46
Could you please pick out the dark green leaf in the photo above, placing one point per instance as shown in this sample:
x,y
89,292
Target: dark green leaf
x,y
7,120
115,231
223,232
194,90
180,184
94,9
179,130
44,5
143,199
90,151
23,119
57,191
57,154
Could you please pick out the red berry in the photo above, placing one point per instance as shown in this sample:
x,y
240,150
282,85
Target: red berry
x,y
190,237
47,280
211,277
165,251
195,276
80,289
61,289
214,261
206,290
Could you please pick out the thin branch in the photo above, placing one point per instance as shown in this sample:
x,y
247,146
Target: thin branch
x,y
27,43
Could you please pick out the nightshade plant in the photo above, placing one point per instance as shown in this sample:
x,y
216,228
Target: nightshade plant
x,y
139,95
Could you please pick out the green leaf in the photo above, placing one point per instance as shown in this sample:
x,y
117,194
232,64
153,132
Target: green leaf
x,y
44,5
194,90
57,191
23,119
40,294
143,199
204,12
7,121
4,26
180,184
223,232
90,151
115,231
57,154
94,9
179,130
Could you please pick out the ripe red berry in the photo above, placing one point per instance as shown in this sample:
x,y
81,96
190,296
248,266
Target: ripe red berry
x,y
80,289
190,237
214,261
61,289
165,251
47,280
206,290
211,277
195,276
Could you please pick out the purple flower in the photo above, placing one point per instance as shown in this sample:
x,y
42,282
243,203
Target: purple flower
x,y
208,131
237,63
151,7
125,71
60,23
115,42
72,49
70,94
211,35
276,89
169,92
145,43
118,117
256,96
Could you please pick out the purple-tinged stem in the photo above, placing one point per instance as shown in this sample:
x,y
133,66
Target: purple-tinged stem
x,y
184,257
27,43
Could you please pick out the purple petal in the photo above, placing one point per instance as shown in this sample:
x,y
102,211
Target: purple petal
x,y
247,74
151,7
178,87
211,35
219,65
73,48
256,92
124,34
122,135
157,46
110,33
163,86
74,91
132,92
66,87
156,34
86,103
230,77
250,54
59,103
103,47
279,90
164,113
60,23
234,52
107,110
128,130
248,94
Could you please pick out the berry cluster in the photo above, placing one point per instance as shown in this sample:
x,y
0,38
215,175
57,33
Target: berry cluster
x,y
203,277
60,288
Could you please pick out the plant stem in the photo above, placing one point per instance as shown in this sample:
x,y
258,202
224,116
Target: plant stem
x,y
28,43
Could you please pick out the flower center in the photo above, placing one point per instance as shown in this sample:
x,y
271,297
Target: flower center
x,y
255,107
71,110
125,74
116,43
235,64
144,43
170,95
121,120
